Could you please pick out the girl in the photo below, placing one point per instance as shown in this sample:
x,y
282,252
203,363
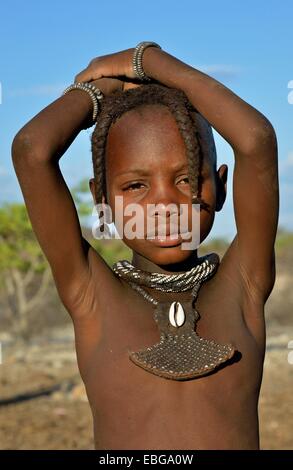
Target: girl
x,y
153,144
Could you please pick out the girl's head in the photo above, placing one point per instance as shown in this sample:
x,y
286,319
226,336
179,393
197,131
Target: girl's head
x,y
151,146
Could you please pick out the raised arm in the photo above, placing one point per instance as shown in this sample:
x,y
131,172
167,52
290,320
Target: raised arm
x,y
255,178
36,151
253,139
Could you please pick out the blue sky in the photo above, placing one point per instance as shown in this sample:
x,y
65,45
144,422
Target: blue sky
x,y
245,45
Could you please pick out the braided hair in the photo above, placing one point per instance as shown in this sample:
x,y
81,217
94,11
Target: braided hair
x,y
193,127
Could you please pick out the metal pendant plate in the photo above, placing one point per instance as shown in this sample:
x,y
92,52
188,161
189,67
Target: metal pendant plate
x,y
181,354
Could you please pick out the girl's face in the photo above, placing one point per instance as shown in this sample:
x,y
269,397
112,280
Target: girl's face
x,y
146,164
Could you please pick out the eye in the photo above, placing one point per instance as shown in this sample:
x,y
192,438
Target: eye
x,y
133,186
184,180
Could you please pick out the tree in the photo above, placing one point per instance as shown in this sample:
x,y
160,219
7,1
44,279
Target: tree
x,y
24,272
82,198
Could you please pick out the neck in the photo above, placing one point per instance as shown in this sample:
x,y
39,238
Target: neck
x,y
145,264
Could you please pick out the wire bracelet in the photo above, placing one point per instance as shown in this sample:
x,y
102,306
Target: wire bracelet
x,y
94,92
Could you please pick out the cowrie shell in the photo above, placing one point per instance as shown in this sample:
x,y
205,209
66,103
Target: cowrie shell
x,y
176,314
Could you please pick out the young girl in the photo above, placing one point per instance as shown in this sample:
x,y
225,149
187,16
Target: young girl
x,y
156,377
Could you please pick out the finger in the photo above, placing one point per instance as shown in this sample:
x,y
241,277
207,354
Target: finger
x,y
128,86
87,75
108,85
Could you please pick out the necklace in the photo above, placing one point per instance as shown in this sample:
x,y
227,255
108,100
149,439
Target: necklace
x,y
180,354
167,282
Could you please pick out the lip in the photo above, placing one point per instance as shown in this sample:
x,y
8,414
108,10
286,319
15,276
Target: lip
x,y
166,241
164,230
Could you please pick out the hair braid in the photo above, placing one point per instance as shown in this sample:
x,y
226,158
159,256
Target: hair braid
x,y
119,102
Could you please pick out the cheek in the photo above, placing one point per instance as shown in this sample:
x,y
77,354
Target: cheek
x,y
132,217
208,192
129,216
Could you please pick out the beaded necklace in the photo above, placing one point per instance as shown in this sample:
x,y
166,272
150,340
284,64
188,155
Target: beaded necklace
x,y
180,354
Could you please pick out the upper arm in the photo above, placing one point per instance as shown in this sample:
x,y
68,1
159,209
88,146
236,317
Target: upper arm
x,y
54,219
256,206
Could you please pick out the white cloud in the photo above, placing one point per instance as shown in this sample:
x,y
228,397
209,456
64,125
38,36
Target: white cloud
x,y
37,90
220,70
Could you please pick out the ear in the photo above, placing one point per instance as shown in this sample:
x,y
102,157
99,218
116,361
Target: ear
x,y
92,189
221,181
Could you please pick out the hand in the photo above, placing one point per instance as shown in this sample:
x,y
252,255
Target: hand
x,y
109,85
118,64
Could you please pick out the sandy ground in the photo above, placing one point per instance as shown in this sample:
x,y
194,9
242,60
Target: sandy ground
x,y
62,419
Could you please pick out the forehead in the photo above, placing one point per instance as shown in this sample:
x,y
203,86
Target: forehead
x,y
148,133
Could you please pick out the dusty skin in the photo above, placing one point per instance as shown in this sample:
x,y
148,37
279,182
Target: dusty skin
x,y
62,420
131,408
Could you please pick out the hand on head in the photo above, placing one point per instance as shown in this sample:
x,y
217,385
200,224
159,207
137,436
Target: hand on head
x,y
109,85
111,72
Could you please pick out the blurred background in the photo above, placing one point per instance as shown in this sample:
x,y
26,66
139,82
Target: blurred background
x,y
246,46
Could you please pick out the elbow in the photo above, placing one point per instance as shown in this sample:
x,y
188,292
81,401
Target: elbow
x,y
262,137
266,134
25,149
21,145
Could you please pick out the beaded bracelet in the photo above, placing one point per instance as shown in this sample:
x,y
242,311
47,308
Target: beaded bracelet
x,y
95,94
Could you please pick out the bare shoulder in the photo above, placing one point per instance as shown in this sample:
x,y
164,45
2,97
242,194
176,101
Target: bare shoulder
x,y
96,295
97,284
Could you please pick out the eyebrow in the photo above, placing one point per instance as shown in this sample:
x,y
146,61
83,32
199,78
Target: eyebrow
x,y
144,172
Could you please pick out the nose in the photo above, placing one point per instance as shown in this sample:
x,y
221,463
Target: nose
x,y
165,208
164,200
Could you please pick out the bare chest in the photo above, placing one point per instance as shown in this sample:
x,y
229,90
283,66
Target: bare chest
x,y
121,391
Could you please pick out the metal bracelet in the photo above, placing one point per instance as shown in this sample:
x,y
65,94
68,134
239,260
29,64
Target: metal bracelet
x,y
95,94
137,59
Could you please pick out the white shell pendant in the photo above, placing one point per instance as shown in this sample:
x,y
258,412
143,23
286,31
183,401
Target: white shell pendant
x,y
176,314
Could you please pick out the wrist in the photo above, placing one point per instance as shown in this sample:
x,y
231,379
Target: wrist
x,y
163,67
150,61
85,105
82,98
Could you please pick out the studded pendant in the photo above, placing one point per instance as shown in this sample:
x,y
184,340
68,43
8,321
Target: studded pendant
x,y
180,354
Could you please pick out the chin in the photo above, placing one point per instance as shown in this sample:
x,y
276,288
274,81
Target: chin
x,y
160,255
164,257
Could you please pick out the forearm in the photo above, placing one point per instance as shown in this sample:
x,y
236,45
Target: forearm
x,y
240,124
48,135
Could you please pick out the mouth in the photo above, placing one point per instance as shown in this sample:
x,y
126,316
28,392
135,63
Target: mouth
x,y
162,231
171,239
